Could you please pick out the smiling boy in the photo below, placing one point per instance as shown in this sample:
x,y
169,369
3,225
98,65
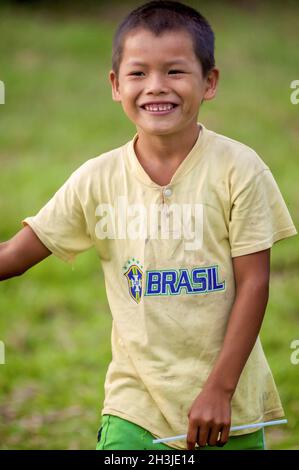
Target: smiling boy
x,y
186,355
164,111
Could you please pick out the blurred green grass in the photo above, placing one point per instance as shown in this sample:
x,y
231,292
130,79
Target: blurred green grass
x,y
58,113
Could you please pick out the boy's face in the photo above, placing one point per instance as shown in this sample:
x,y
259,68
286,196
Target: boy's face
x,y
161,70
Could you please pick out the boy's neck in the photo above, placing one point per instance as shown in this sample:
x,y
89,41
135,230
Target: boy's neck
x,y
166,149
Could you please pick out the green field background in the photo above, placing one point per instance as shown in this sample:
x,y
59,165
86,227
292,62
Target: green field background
x,y
55,320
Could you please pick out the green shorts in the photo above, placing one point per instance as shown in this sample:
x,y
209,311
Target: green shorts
x,y
119,434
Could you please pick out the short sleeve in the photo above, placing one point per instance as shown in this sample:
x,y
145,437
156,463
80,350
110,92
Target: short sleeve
x,y
259,216
61,224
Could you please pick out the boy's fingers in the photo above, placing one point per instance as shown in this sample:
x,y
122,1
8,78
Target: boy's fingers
x,y
213,435
224,436
192,435
203,435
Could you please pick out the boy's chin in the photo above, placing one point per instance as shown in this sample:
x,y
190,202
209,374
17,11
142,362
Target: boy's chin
x,y
157,130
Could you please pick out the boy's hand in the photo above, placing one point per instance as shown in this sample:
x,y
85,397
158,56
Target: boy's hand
x,y
209,415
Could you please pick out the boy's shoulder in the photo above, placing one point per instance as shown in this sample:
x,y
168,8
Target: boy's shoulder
x,y
235,152
106,159
103,167
233,148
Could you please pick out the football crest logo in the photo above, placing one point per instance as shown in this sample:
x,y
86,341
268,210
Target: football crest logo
x,y
134,277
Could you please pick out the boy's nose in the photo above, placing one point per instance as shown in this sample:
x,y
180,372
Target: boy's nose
x,y
156,84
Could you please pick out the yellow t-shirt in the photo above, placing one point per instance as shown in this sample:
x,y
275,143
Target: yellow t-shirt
x,y
171,290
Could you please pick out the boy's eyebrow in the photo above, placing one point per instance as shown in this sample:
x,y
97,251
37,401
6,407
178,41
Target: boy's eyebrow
x,y
171,62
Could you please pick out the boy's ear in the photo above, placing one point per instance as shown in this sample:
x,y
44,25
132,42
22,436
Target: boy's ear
x,y
211,84
115,86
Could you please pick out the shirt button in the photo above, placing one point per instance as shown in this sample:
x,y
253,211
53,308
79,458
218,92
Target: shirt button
x,y
167,192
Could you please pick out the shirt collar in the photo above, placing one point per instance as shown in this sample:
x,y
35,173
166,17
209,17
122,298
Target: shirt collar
x,y
193,158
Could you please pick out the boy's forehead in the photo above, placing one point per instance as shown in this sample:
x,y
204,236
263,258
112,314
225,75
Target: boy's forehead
x,y
172,46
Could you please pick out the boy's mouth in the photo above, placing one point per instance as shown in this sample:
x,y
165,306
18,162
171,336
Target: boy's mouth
x,y
159,108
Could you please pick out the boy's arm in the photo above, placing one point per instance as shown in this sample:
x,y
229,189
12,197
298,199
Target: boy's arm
x,y
210,412
20,253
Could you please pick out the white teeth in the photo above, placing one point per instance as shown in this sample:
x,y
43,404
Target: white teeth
x,y
159,107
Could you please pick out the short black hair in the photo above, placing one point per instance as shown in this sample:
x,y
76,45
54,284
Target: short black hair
x,y
160,16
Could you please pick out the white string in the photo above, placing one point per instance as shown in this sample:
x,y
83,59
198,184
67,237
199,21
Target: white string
x,y
234,428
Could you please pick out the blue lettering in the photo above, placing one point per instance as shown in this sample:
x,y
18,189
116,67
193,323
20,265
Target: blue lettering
x,y
153,283
210,280
168,282
184,281
216,286
199,280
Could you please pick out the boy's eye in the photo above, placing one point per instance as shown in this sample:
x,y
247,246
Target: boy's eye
x,y
135,73
176,71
